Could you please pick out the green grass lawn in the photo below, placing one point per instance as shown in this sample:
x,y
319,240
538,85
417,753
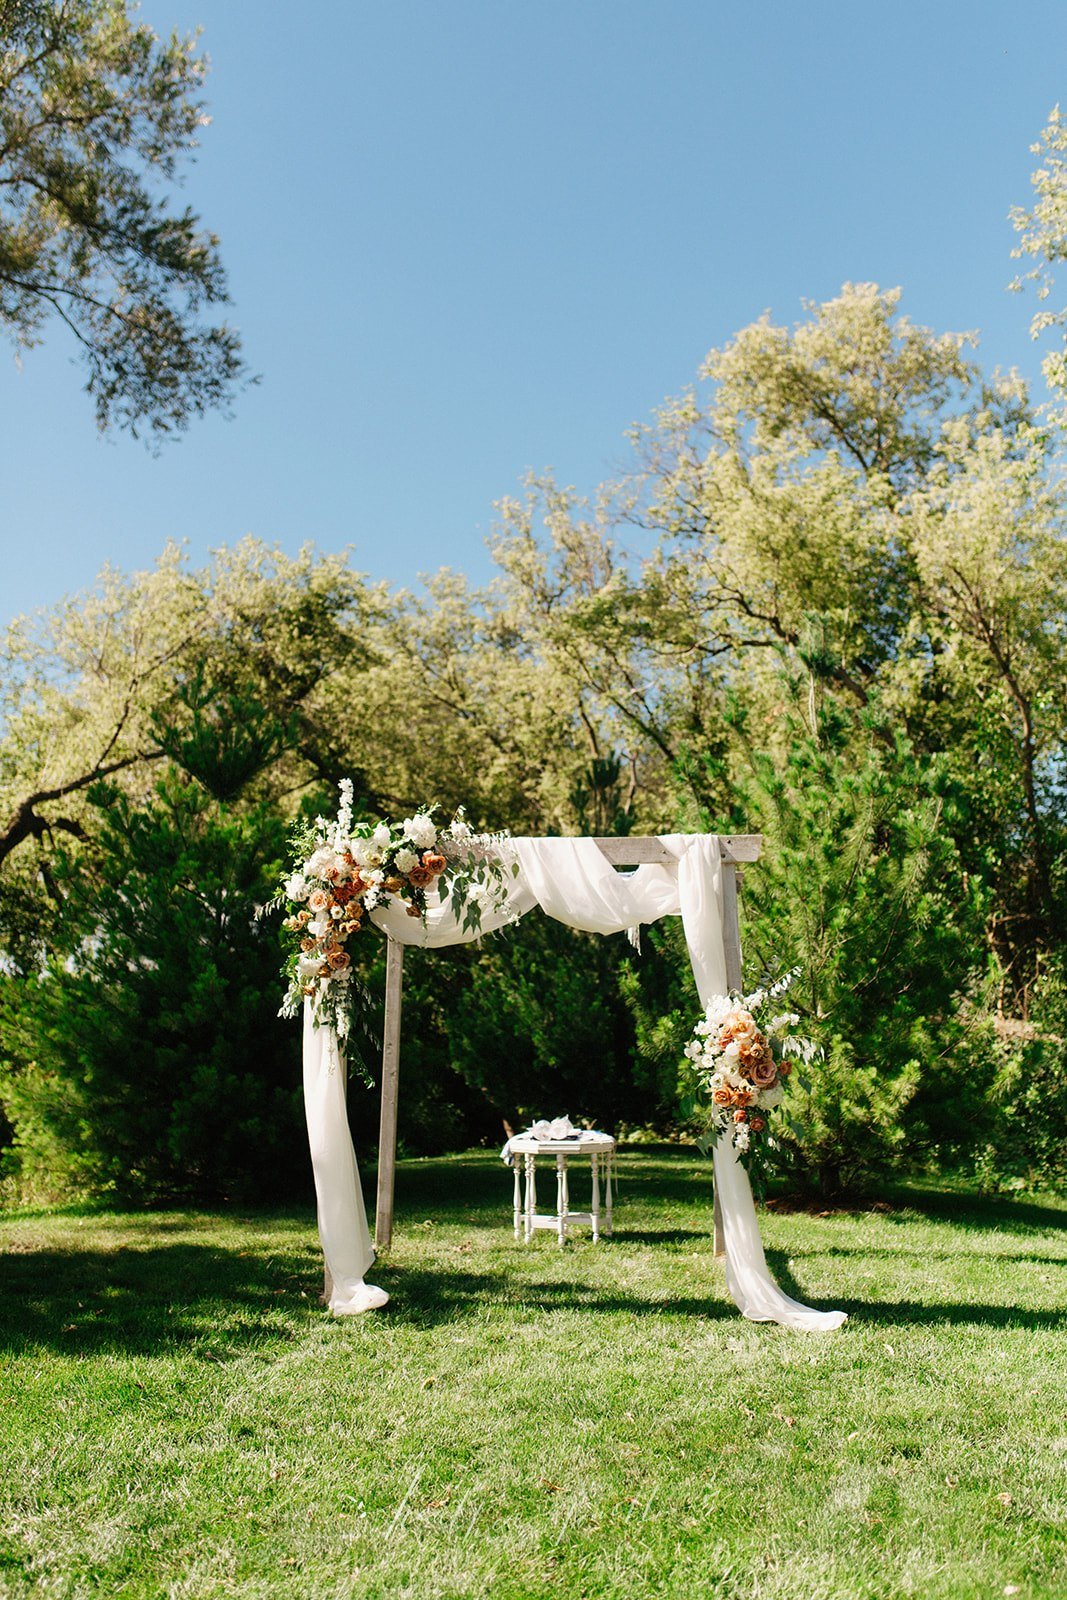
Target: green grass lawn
x,y
178,1417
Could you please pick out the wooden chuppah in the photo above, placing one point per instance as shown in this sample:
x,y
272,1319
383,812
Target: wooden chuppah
x,y
623,852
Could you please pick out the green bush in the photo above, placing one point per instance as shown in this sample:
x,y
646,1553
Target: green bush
x,y
145,1059
1028,1097
860,888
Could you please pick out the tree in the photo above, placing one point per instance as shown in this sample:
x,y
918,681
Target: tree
x,y
1042,231
861,889
96,114
145,1059
83,687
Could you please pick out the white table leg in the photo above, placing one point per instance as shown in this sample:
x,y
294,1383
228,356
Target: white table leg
x,y
609,1173
531,1194
561,1198
518,1209
595,1161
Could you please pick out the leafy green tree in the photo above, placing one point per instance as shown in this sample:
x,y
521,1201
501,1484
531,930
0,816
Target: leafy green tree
x,y
861,889
96,115
146,1059
1042,230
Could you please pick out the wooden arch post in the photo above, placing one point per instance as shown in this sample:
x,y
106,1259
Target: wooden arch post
x,y
624,852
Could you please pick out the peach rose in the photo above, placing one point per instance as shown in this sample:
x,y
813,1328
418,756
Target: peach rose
x,y
318,900
393,884
784,1068
765,1073
413,911
740,1116
758,1124
742,1097
339,960
420,877
723,1097
307,945
434,863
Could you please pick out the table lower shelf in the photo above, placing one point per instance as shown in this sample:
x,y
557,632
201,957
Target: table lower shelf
x,y
539,1220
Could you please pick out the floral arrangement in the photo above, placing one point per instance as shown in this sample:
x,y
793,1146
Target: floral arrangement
x,y
345,869
739,1060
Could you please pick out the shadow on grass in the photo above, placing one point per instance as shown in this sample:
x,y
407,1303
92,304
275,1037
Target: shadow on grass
x,y
901,1205
149,1300
920,1253
894,1313
891,1313
425,1298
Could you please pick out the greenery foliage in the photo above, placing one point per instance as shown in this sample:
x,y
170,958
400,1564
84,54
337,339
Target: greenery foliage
x,y
96,114
145,1057
862,891
849,635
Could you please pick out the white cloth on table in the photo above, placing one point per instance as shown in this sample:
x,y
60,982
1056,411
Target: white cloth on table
x,y
573,881
556,1137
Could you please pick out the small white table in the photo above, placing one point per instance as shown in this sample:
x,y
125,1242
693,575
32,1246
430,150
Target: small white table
x,y
599,1147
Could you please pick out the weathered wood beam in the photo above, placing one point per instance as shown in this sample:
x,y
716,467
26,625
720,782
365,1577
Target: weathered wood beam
x,y
394,979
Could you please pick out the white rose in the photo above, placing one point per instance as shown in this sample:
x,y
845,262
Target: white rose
x,y
308,966
296,887
421,831
317,929
381,837
322,858
405,860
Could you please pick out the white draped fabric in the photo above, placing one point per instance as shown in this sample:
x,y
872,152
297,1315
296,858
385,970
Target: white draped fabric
x,y
342,1215
573,881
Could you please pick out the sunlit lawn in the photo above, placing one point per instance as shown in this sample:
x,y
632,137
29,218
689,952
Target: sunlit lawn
x,y
179,1417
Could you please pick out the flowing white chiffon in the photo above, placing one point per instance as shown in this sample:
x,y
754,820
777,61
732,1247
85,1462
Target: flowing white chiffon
x,y
342,1215
571,880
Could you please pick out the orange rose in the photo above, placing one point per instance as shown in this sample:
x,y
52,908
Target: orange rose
x,y
420,877
740,1116
742,1097
434,863
723,1097
394,884
758,1124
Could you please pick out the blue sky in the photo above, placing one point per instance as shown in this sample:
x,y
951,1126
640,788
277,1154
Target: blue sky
x,y
470,237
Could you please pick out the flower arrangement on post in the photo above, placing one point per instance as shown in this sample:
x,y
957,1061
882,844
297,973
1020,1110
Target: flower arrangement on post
x,y
344,869
737,1063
